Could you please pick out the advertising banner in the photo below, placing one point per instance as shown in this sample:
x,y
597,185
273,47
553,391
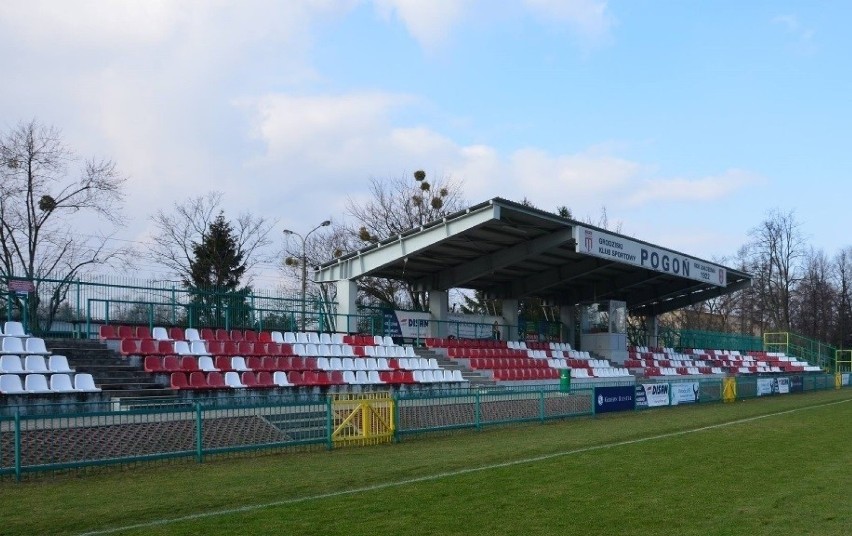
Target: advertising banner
x,y
685,392
411,324
846,378
764,386
797,385
614,398
620,249
774,386
652,395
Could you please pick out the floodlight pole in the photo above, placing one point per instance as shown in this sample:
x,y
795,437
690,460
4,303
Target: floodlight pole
x,y
304,262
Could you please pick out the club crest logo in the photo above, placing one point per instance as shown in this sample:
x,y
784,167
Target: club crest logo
x,y
589,242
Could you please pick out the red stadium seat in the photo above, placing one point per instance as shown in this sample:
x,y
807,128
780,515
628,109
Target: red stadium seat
x,y
189,364
223,363
178,381
215,380
264,380
107,332
207,334
222,335
176,334
197,380
125,332
153,364
129,347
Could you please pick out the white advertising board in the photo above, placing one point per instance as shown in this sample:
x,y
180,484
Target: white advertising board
x,y
620,249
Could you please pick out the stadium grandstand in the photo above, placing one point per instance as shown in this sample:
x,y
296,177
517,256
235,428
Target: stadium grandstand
x,y
98,363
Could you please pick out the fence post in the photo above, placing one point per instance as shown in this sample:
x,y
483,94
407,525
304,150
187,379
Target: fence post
x,y
541,404
477,412
18,445
199,436
78,312
395,399
329,422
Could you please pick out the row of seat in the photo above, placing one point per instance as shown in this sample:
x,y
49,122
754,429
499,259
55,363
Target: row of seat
x,y
594,368
519,374
23,346
11,384
173,363
199,380
13,364
505,362
145,347
109,332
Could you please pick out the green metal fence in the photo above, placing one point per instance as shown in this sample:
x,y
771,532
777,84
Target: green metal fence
x,y
67,308
36,442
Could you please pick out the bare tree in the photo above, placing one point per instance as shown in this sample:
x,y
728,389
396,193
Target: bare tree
x,y
776,255
397,205
43,185
843,275
815,297
187,224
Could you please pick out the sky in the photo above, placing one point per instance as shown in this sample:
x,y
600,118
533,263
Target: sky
x,y
688,121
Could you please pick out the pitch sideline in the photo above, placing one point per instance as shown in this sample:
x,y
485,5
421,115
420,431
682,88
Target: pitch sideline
x,y
447,474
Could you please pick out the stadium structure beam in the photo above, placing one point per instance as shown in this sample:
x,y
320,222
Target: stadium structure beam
x,y
657,308
548,278
457,276
398,247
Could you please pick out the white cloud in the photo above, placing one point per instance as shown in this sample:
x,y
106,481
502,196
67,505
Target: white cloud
x,y
429,22
589,18
803,36
703,189
582,177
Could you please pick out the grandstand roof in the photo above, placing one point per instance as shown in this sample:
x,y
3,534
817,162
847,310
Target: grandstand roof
x,y
510,250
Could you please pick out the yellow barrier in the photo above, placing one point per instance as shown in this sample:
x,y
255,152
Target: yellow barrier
x,y
729,389
362,419
838,380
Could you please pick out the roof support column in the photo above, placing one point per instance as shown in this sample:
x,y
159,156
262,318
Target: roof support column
x,y
510,314
346,319
568,318
652,327
439,303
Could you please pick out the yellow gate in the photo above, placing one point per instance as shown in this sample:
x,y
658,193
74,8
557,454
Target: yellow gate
x,y
729,389
362,419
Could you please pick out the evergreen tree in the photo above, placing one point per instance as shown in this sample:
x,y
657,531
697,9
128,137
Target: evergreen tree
x,y
215,272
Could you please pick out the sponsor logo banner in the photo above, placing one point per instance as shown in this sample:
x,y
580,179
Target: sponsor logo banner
x,y
652,395
846,378
620,249
796,384
408,324
775,386
764,386
685,392
614,398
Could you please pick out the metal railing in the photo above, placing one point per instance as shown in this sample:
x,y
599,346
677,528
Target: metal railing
x,y
814,352
44,441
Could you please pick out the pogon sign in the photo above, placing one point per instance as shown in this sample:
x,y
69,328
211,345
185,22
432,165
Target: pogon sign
x,y
620,249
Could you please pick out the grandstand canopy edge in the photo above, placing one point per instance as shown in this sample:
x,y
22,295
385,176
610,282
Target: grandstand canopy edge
x,y
512,251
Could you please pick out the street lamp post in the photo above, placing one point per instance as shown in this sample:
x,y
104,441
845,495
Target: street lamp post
x,y
304,262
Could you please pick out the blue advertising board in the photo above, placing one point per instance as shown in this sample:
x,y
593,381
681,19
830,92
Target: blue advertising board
x,y
620,398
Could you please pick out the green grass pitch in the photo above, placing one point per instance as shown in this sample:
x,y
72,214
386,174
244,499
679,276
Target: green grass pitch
x,y
780,465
